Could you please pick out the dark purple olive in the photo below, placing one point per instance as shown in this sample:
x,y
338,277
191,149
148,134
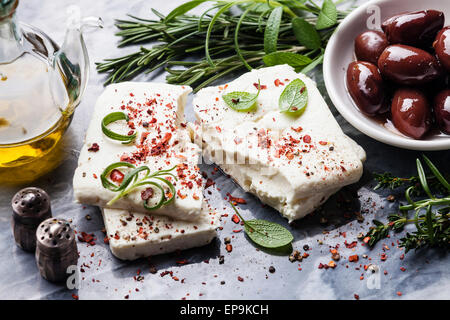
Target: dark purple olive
x,y
369,45
415,28
442,47
442,110
408,65
365,85
411,113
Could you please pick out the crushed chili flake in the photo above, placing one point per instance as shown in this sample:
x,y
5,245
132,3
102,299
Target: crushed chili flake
x,y
94,148
237,200
87,238
353,258
147,194
235,219
116,176
350,245
74,296
229,247
261,87
307,139
209,183
240,279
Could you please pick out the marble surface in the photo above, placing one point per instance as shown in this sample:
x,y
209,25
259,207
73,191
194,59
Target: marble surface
x,y
427,274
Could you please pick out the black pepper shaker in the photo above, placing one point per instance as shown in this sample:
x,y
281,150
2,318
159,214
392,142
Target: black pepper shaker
x,y
30,207
56,249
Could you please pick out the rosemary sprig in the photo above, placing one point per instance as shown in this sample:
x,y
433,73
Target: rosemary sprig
x,y
227,37
134,179
431,215
113,117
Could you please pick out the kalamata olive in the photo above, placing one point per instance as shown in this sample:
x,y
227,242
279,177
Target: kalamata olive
x,y
411,113
442,47
408,65
442,110
415,28
369,45
365,85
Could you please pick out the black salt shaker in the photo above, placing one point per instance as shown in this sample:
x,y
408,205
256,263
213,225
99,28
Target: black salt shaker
x,y
30,207
56,249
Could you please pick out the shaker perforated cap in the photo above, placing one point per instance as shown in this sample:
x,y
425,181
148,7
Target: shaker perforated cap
x,y
31,206
55,237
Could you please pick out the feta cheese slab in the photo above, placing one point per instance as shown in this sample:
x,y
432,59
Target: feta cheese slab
x,y
156,113
136,235
292,163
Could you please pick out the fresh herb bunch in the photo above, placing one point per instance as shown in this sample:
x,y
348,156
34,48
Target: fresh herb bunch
x,y
431,215
229,36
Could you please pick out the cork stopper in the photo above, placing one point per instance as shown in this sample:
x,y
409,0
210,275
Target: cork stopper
x,y
55,237
31,206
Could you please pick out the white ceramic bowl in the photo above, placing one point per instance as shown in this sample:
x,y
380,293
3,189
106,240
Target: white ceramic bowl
x,y
340,52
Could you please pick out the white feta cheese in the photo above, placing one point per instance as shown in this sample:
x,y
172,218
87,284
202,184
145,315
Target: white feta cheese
x,y
292,163
156,113
136,235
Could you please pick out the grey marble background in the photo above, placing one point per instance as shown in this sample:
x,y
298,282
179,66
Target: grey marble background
x,y
427,274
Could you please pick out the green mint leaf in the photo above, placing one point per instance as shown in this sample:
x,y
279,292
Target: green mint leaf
x,y
182,9
295,60
327,16
306,34
294,98
241,101
268,234
272,30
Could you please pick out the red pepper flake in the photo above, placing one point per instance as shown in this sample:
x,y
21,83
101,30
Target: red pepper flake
x,y
261,87
94,148
299,129
116,176
240,279
74,296
235,219
356,296
350,245
86,237
402,257
209,183
229,247
161,146
383,257
353,258
106,240
399,293
307,139
175,278
147,194
277,82
403,269
323,143
366,240
184,261
237,200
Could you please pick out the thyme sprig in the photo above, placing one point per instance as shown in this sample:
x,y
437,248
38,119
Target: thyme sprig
x,y
139,177
229,36
431,216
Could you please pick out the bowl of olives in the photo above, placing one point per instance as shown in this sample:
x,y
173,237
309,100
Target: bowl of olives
x,y
387,71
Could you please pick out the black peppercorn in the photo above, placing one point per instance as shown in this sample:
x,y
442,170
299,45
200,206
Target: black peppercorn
x,y
56,249
30,207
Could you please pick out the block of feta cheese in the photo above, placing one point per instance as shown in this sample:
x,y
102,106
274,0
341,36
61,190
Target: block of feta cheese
x,y
292,163
135,235
156,115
